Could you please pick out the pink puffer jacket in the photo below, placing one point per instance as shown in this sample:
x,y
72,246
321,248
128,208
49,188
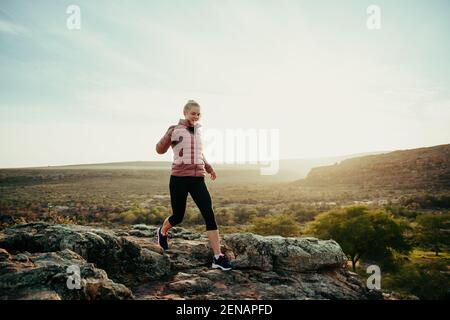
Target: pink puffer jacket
x,y
186,142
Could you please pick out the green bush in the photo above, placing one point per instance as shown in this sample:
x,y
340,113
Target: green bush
x,y
428,281
426,201
193,217
243,215
281,224
128,217
224,217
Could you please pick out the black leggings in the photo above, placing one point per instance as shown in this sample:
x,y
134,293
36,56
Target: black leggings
x,y
179,189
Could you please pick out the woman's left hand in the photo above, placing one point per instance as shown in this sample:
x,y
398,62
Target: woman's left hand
x,y
213,175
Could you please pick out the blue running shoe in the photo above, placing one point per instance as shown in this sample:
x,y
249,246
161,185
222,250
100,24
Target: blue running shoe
x,y
162,240
222,263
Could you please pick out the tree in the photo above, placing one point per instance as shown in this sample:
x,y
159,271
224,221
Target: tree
x,y
433,231
363,234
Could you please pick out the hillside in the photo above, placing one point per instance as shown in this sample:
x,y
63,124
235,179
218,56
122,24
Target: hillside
x,y
422,168
289,169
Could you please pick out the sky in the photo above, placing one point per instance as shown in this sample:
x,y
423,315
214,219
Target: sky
x,y
312,70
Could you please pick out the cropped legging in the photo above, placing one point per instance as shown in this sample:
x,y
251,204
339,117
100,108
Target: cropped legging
x,y
179,189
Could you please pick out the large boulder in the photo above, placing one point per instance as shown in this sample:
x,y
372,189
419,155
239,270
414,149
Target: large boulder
x,y
50,276
284,254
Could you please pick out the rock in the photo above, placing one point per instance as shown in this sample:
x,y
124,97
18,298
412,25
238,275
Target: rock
x,y
397,296
192,285
44,276
38,295
186,254
284,254
100,246
176,232
34,259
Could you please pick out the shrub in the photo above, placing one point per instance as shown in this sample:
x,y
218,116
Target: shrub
x,y
282,224
428,281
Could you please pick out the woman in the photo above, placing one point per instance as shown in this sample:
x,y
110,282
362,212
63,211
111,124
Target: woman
x,y
189,169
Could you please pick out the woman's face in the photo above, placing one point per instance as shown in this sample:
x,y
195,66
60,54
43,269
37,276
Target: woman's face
x,y
193,115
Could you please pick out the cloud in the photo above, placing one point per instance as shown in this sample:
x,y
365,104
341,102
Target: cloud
x,y
250,65
11,27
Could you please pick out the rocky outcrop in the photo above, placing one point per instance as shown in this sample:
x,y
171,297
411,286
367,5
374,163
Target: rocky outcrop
x,y
127,263
124,258
49,276
285,254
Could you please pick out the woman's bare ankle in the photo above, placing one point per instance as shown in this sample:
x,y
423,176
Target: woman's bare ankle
x,y
166,227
